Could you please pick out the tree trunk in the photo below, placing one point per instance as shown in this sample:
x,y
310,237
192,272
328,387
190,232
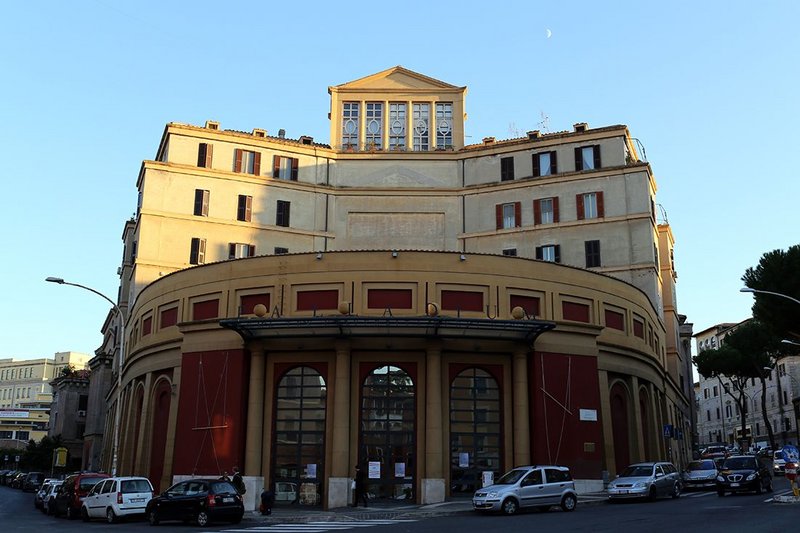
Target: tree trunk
x,y
767,424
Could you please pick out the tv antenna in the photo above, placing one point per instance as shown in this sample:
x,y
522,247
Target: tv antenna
x,y
544,124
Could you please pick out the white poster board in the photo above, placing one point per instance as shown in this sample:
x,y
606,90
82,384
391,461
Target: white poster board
x,y
311,470
374,470
463,460
488,478
399,470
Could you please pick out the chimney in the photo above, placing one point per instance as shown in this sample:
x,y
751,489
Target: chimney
x,y
533,135
488,140
259,133
211,125
282,133
305,139
580,127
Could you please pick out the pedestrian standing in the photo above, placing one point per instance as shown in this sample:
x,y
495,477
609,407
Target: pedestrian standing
x,y
361,487
237,481
267,499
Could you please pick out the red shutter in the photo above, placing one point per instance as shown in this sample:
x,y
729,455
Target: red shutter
x,y
517,214
579,205
257,163
537,212
555,208
553,163
276,167
600,205
295,165
536,170
209,153
237,160
578,160
499,215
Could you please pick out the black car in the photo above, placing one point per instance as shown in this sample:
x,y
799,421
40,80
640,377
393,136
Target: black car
x,y
32,481
740,473
201,500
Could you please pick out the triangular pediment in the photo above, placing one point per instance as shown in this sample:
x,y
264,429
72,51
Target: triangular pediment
x,y
395,78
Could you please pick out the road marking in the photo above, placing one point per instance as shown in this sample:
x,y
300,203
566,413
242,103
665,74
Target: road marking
x,y
313,527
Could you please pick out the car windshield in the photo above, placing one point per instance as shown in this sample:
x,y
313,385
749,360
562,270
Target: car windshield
x,y
638,471
739,463
510,477
701,465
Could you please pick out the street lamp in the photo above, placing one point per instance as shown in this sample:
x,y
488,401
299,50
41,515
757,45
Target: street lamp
x,y
787,341
121,317
757,291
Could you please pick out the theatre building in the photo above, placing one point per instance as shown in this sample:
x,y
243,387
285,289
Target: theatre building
x,y
434,312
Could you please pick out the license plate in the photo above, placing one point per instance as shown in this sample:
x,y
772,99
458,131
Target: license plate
x,y
137,500
734,484
227,500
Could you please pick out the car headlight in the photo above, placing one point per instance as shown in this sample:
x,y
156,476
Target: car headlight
x,y
640,484
492,494
751,477
720,478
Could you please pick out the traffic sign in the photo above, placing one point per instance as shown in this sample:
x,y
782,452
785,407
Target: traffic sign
x,y
667,431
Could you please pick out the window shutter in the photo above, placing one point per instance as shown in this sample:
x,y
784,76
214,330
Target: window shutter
x,y
498,209
600,204
206,201
248,208
276,167
579,205
240,208
537,212
553,163
201,154
237,160
209,154
251,250
517,214
231,250
536,170
195,250
555,208
286,213
539,253
295,165
578,160
587,250
257,163
558,253
201,253
596,149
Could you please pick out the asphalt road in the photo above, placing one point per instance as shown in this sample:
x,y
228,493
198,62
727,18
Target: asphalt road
x,y
693,511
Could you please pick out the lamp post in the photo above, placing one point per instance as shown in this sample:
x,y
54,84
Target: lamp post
x,y
758,291
118,410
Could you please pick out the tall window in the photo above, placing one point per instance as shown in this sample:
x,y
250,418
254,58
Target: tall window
x,y
238,250
204,153
587,157
506,169
285,168
545,210
374,125
244,209
421,125
549,252
544,164
508,215
282,214
444,125
197,254
201,198
590,205
350,125
299,437
592,253
246,162
397,126
475,437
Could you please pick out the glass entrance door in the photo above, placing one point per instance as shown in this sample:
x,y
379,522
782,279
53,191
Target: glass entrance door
x,y
387,434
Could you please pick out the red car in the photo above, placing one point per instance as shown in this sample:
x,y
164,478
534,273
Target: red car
x,y
70,495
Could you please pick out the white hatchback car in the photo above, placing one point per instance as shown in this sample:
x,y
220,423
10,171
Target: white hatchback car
x,y
539,487
117,497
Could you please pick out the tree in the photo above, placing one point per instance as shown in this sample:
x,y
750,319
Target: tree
x,y
777,271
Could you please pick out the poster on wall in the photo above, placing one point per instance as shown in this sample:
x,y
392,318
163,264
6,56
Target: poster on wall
x,y
463,460
311,470
488,478
374,469
399,470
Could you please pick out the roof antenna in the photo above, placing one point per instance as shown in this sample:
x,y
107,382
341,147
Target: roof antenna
x,y
544,124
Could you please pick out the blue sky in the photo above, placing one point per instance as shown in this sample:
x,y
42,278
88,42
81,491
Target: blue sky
x,y
709,88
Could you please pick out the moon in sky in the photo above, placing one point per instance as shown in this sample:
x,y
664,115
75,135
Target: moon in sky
x,y
549,33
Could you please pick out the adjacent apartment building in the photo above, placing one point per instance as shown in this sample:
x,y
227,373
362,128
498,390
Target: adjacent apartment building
x,y
434,311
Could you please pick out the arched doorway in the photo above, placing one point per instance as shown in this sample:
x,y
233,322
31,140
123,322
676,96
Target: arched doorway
x,y
620,426
475,435
162,400
387,424
298,446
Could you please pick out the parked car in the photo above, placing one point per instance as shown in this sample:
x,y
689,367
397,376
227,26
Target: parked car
x,y
70,495
713,452
646,480
38,497
117,497
49,497
201,500
538,487
778,463
16,480
32,481
285,492
700,474
743,473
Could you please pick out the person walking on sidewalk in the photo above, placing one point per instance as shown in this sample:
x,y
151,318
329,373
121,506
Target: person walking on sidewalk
x,y
361,487
238,482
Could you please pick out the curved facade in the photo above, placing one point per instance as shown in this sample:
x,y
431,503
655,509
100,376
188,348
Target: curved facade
x,y
348,363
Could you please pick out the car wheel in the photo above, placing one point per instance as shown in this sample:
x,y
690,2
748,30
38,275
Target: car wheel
x,y
509,506
676,490
568,502
84,514
202,518
152,517
111,518
652,494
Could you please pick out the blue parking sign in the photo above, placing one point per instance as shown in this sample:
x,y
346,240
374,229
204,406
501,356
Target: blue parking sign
x,y
667,430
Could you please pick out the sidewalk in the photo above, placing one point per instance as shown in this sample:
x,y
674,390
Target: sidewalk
x,y
383,511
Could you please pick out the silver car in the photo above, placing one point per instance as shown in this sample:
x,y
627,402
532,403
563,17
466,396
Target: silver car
x,y
700,474
538,487
646,480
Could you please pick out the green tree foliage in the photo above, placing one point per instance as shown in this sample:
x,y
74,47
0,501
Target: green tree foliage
x,y
777,271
